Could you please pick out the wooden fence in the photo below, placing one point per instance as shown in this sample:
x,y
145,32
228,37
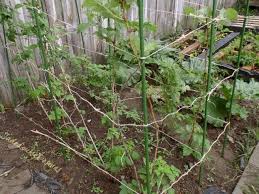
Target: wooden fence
x,y
166,14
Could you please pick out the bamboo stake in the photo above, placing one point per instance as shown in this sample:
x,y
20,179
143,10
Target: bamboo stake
x,y
236,75
144,91
211,49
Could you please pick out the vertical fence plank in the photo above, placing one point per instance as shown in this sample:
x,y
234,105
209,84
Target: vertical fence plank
x,y
5,86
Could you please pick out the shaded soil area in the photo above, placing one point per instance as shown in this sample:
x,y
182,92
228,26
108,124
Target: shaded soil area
x,y
78,176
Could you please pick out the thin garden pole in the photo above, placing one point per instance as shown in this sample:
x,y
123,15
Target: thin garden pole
x,y
144,91
44,58
236,75
10,75
211,50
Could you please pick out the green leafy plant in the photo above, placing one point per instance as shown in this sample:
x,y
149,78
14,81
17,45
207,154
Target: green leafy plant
x,y
172,84
162,175
22,84
67,131
96,188
120,156
217,111
190,132
6,16
2,108
249,54
203,16
60,114
219,105
66,153
226,15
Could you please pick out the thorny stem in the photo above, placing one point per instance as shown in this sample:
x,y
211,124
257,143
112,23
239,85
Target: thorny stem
x,y
113,79
157,127
135,169
44,58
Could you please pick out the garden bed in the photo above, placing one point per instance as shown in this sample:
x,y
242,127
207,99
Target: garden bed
x,y
225,52
196,44
78,176
250,58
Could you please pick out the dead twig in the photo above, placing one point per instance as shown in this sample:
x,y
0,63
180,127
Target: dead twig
x,y
7,172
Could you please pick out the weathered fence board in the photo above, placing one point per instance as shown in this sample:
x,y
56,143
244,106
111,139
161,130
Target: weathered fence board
x,y
5,87
166,14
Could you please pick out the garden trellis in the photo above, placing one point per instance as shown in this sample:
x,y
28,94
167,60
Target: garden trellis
x,y
57,64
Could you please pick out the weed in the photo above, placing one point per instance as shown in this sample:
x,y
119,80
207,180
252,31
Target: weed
x,y
66,153
96,189
2,108
162,175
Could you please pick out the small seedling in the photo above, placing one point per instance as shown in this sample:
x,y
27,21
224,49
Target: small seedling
x,y
2,108
66,153
96,188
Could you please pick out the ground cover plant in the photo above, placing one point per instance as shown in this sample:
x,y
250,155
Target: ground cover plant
x,y
94,110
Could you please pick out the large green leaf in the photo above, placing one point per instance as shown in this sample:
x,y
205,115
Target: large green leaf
x,y
230,14
103,8
217,111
